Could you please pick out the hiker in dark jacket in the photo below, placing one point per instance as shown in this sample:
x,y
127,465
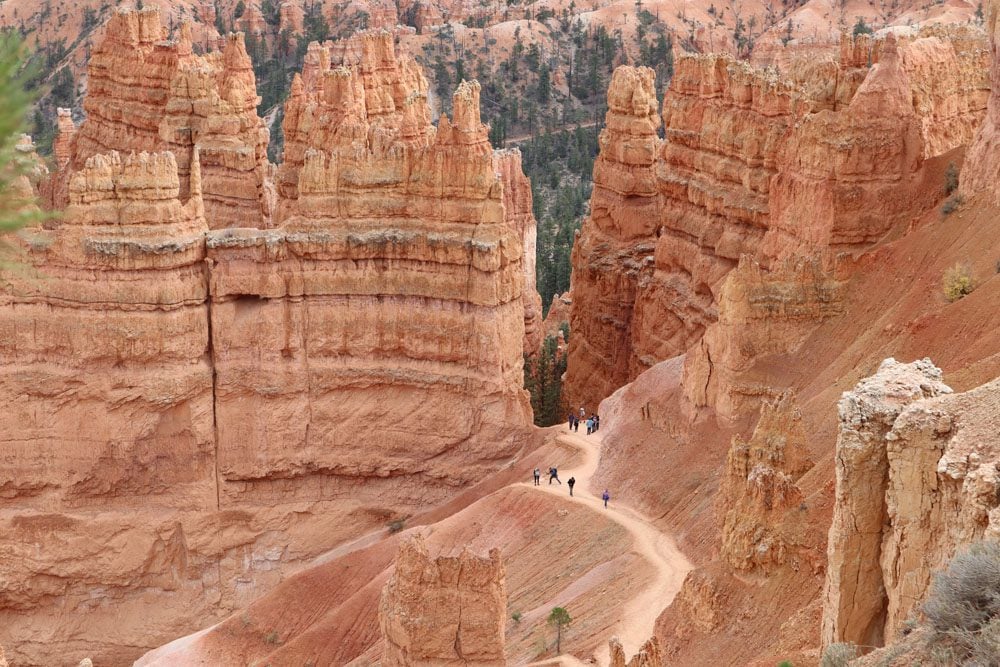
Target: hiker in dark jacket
x,y
605,497
571,481
554,475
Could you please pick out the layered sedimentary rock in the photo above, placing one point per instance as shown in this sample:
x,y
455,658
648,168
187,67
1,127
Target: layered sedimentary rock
x,y
855,593
115,324
149,94
380,105
747,168
449,610
615,249
395,281
264,393
759,495
917,481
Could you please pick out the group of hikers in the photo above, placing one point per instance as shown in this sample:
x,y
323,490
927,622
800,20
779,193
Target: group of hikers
x,y
593,422
571,482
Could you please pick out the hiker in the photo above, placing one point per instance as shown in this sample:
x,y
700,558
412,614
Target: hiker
x,y
576,423
571,418
590,426
605,497
554,475
583,413
538,477
597,422
571,481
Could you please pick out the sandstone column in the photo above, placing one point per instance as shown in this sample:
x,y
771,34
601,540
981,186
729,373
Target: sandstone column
x,y
854,599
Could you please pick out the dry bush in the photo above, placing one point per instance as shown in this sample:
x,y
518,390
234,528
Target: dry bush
x,y
839,655
963,608
957,282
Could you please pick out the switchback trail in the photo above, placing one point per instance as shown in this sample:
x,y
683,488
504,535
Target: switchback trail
x,y
658,549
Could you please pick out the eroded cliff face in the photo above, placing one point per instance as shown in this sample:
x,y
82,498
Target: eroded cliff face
x,y
449,610
747,167
916,481
194,412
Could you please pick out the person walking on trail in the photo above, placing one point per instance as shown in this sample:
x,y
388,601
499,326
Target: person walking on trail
x,y
576,423
583,413
571,418
554,475
590,426
605,497
538,477
571,481
597,422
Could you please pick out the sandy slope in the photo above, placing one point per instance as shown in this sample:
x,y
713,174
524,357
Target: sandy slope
x,y
659,550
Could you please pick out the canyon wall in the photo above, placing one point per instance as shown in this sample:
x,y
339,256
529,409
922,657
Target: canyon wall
x,y
202,394
746,167
916,481
449,610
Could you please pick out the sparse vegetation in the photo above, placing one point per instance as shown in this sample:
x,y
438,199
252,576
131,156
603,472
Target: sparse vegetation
x,y
272,638
397,525
839,654
862,28
963,609
559,617
957,282
543,380
517,616
950,178
952,204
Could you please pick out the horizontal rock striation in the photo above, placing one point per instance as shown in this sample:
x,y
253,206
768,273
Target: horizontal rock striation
x,y
193,411
747,167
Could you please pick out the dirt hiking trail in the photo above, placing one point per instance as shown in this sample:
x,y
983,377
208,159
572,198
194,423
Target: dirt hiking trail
x,y
657,548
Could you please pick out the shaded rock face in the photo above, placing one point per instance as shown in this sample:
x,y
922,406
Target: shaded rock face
x,y
148,94
924,464
445,610
236,401
747,167
855,594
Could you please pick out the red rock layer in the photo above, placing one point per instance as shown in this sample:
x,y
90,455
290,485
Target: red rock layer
x,y
747,167
148,94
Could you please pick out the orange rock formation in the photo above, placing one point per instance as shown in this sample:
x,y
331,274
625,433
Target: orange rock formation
x,y
148,94
747,167
265,392
444,610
